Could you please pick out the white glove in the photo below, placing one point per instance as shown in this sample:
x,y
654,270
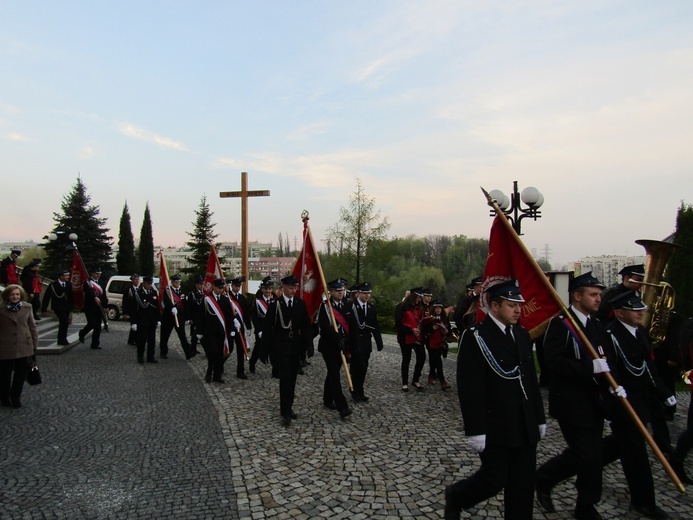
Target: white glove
x,y
237,324
247,333
671,400
233,333
619,392
187,322
133,327
259,334
199,336
599,366
542,431
158,324
174,311
476,443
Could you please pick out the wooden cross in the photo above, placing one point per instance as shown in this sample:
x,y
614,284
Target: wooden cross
x,y
244,194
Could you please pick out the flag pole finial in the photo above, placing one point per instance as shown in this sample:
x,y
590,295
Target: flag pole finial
x,y
304,215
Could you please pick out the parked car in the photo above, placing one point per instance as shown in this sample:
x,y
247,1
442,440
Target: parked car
x,y
117,286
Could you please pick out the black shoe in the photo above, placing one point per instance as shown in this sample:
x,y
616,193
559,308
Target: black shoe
x,y
649,511
293,415
544,499
300,371
364,399
241,376
680,472
417,385
16,403
331,406
96,347
152,360
6,402
37,318
140,360
251,368
191,354
208,376
587,513
345,413
218,380
453,509
286,420
164,356
81,336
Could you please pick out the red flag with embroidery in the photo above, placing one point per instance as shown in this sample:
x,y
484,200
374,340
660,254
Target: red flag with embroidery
x,y
213,270
508,258
311,282
164,280
78,275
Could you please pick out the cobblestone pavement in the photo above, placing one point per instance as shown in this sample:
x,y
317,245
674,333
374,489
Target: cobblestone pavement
x,y
105,437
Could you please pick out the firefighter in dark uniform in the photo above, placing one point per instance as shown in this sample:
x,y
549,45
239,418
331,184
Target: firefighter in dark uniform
x,y
130,306
195,310
59,297
173,317
501,407
632,277
147,319
332,344
288,332
577,397
8,268
32,285
363,328
635,370
242,323
217,331
465,311
258,312
95,301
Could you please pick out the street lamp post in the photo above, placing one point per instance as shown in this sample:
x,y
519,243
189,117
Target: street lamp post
x,y
54,236
512,207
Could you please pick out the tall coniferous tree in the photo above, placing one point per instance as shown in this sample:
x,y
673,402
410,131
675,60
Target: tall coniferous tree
x,y
145,252
201,239
126,261
680,264
79,217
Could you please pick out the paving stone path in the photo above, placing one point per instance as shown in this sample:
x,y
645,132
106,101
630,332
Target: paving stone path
x,y
104,437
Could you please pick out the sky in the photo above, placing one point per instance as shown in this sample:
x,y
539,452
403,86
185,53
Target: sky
x,y
423,101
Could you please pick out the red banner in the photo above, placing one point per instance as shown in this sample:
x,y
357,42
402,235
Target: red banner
x,y
307,270
213,270
78,275
507,258
164,280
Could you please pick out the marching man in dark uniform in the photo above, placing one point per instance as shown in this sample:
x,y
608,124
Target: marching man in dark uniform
x,y
95,301
577,399
288,333
363,325
173,317
217,331
258,313
32,285
130,306
59,297
632,277
8,268
241,323
195,309
636,371
331,345
147,319
501,407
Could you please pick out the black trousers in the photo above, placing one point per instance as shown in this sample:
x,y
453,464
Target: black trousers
x,y
240,340
146,336
94,320
435,364
287,365
255,355
11,387
332,392
193,335
420,352
36,303
582,457
685,440
168,324
502,468
360,358
63,324
627,443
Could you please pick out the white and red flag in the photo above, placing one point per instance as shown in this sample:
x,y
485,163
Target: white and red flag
x,y
78,275
164,280
307,270
213,270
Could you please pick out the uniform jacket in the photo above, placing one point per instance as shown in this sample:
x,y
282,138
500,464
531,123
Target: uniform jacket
x,y
59,297
195,306
8,271
18,334
90,293
258,313
129,302
146,312
507,411
576,395
178,302
411,319
242,302
332,341
364,327
635,368
213,331
288,333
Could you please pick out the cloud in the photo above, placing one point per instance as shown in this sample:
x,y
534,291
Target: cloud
x,y
145,135
308,131
86,152
13,136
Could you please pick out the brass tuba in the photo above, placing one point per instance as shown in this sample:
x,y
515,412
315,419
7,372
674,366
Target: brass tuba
x,y
659,296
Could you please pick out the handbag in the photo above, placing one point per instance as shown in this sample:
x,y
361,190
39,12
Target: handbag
x,y
33,376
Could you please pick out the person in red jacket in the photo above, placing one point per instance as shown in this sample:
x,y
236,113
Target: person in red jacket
x,y
413,338
437,329
8,269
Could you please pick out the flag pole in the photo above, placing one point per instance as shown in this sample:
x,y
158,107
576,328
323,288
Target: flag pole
x,y
309,236
243,341
103,312
168,284
581,335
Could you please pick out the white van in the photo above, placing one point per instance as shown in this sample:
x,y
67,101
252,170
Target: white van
x,y
117,286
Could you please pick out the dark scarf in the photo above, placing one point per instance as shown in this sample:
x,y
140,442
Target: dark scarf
x,y
14,307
